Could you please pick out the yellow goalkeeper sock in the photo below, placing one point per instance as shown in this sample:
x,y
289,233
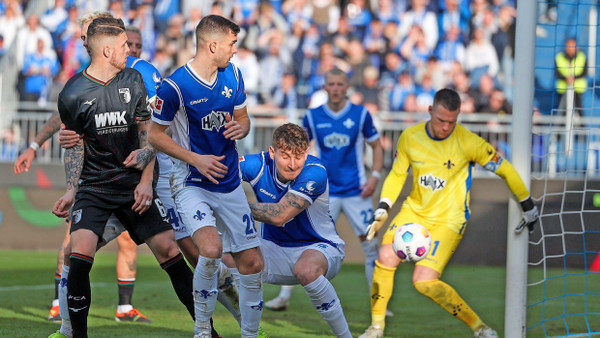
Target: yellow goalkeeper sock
x,y
444,295
381,291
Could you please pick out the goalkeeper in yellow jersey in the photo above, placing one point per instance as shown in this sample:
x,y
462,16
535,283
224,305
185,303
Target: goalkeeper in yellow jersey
x,y
441,154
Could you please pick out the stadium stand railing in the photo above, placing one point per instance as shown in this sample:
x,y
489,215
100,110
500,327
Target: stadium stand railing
x,y
496,129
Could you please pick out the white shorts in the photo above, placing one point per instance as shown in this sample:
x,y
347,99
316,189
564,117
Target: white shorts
x,y
358,210
163,190
230,213
280,261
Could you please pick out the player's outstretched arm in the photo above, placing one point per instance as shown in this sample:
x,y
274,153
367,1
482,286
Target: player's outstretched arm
x,y
23,162
281,212
208,165
74,158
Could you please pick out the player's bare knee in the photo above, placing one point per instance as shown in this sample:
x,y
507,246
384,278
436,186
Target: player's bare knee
x,y
305,274
387,256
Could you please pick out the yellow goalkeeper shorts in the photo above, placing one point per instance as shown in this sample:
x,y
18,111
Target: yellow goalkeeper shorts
x,y
444,240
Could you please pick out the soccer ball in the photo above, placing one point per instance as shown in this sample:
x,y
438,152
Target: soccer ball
x,y
411,242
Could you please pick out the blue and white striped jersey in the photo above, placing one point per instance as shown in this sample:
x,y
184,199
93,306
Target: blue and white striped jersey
x,y
340,142
313,224
196,112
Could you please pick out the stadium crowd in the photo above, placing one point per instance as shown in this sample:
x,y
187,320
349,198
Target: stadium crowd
x,y
397,53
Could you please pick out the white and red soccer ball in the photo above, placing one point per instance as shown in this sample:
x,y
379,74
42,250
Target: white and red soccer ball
x,y
412,242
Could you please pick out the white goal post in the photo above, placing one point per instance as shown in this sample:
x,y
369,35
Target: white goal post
x,y
515,323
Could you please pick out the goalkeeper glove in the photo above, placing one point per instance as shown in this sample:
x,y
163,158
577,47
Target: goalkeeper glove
x,y
379,217
530,215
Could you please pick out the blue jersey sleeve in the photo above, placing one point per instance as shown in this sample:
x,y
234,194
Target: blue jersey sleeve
x,y
167,103
151,76
311,183
251,166
306,125
369,130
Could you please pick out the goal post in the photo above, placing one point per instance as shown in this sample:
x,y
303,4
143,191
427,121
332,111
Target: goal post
x,y
517,244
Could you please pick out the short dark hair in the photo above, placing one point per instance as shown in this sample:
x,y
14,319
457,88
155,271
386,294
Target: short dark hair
x,y
447,98
215,24
292,137
101,27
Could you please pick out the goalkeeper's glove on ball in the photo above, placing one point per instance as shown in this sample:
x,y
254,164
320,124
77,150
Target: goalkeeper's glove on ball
x,y
379,217
530,215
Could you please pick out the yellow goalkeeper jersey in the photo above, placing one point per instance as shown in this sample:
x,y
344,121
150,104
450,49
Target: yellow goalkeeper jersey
x,y
442,173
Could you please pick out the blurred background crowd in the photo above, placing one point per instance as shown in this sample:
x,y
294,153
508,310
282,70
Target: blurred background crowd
x,y
396,52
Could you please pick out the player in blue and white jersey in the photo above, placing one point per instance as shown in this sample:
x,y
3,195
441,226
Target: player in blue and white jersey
x,y
204,104
340,130
298,238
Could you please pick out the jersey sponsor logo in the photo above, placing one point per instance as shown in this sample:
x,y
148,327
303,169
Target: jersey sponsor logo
x,y
227,92
336,140
90,102
267,193
349,123
216,120
432,182
202,100
76,215
494,163
158,106
111,122
124,95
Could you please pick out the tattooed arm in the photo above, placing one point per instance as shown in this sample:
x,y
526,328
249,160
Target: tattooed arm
x,y
23,163
281,212
74,158
146,157
141,158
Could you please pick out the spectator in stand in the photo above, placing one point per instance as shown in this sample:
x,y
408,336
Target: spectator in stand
x,y
410,104
297,10
326,15
414,48
286,97
117,9
248,64
163,62
571,70
65,29
272,67
425,93
164,10
480,57
74,54
28,36
358,59
358,15
144,20
498,104
437,75
420,16
173,41
451,48
268,23
374,41
454,15
387,11
399,92
482,93
11,21
39,68
478,8
369,91
391,69
55,15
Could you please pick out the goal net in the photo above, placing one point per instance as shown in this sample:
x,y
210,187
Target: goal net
x,y
563,282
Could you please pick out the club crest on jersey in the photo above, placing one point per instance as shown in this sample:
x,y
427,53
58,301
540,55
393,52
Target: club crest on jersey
x,y
336,140
216,120
432,182
76,216
227,92
124,95
349,123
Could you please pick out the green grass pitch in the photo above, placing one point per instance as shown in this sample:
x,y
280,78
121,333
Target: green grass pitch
x,y
26,290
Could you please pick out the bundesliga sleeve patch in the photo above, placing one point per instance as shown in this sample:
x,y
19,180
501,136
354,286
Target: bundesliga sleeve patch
x,y
494,163
158,106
